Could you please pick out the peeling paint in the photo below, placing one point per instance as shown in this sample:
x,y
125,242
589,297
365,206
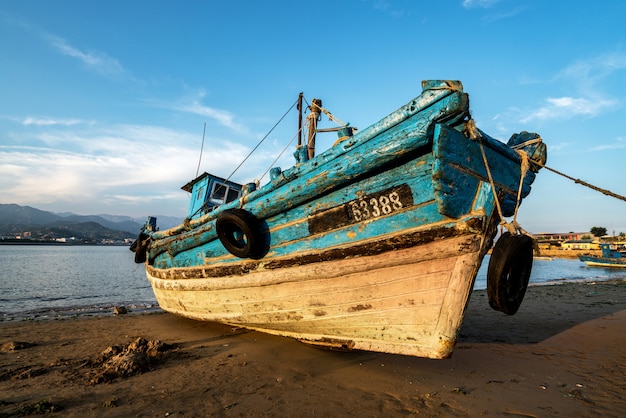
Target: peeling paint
x,y
331,344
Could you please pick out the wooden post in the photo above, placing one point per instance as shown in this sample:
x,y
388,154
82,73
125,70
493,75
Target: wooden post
x,y
313,118
300,120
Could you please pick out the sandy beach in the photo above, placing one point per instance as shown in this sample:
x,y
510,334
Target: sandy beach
x,y
563,354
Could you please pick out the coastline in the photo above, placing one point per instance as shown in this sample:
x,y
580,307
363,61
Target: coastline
x,y
570,254
562,354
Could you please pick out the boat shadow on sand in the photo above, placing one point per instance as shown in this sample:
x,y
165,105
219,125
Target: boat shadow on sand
x,y
545,312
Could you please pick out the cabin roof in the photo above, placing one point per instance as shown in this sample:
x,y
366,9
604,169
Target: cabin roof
x,y
189,186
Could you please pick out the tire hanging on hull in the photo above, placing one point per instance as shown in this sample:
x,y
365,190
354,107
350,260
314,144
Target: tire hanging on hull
x,y
240,232
509,271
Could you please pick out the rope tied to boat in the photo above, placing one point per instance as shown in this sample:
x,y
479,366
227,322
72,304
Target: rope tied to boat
x,y
584,183
529,142
332,118
513,227
188,219
532,162
472,132
524,167
312,115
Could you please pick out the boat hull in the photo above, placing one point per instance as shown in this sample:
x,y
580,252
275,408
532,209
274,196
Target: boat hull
x,y
374,244
593,261
408,302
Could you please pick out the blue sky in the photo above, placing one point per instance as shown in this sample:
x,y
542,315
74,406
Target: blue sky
x,y
104,103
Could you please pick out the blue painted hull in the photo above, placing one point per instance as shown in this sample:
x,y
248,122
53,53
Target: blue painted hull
x,y
374,244
610,262
611,258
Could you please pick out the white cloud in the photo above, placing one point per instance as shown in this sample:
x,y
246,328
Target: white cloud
x,y
386,7
470,4
591,82
97,61
192,104
46,121
124,169
223,117
494,14
566,108
619,143
588,73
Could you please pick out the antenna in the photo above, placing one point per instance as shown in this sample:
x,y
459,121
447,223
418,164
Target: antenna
x,y
201,148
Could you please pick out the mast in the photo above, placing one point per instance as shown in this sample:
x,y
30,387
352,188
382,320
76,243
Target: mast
x,y
313,117
300,119
201,149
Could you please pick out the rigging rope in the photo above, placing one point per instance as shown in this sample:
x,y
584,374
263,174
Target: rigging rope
x,y
473,133
248,156
513,227
279,155
326,112
584,183
261,141
331,117
201,148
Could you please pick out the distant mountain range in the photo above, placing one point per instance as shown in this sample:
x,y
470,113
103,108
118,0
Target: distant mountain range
x,y
29,222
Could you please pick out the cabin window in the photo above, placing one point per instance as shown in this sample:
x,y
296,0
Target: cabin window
x,y
222,191
232,195
200,193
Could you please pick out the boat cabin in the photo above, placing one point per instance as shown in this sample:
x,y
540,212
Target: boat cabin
x,y
208,191
608,252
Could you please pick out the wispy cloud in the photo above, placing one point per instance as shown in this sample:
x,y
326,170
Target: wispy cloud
x,y
195,106
588,74
46,121
223,117
492,11
97,61
387,8
589,80
567,108
485,4
619,143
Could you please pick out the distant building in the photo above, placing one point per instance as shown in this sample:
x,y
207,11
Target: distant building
x,y
561,236
580,244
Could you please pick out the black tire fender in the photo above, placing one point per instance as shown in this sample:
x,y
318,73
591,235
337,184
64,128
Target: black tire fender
x,y
140,248
240,233
509,271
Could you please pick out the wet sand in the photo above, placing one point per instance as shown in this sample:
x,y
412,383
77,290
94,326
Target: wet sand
x,y
563,354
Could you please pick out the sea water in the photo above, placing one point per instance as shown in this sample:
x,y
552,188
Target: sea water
x,y
44,280
555,271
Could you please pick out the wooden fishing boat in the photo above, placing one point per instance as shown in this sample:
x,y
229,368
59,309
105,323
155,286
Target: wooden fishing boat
x,y
372,245
611,258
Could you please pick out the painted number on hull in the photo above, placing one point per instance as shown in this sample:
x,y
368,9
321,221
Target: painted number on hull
x,y
374,207
367,207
